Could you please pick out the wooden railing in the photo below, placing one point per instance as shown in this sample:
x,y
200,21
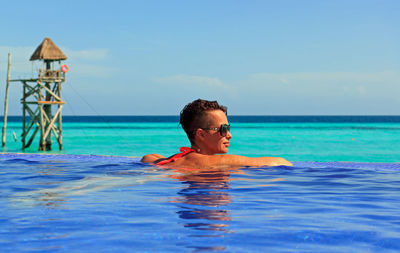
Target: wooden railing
x,y
49,74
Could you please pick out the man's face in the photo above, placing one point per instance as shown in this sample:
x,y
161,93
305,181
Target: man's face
x,y
213,141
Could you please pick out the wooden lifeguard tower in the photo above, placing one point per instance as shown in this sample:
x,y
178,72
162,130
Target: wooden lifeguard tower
x,y
40,95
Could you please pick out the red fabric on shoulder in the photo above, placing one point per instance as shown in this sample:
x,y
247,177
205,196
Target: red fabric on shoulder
x,y
184,151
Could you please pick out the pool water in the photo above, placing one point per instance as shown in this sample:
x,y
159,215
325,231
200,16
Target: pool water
x,y
75,203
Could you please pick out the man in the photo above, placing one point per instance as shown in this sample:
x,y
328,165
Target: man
x,y
206,125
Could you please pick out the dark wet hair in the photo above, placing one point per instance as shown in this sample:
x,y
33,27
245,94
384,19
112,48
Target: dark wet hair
x,y
192,115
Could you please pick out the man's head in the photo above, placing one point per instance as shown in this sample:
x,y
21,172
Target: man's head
x,y
195,116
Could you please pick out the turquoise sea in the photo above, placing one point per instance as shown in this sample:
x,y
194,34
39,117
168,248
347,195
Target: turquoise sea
x,y
296,138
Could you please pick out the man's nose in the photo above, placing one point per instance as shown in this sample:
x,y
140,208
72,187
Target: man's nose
x,y
229,135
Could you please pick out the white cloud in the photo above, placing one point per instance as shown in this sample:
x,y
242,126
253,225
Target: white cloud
x,y
361,90
88,54
24,53
19,59
297,84
387,76
81,62
193,80
18,53
323,84
91,70
318,93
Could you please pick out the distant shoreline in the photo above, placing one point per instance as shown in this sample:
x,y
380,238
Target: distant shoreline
x,y
232,118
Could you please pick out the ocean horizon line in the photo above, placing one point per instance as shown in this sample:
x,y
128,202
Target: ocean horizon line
x,y
232,118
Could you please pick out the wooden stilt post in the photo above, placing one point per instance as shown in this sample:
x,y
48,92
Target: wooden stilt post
x,y
24,131
42,146
6,100
47,110
60,143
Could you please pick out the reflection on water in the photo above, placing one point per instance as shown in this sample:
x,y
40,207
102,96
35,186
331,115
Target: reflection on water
x,y
53,184
205,196
203,202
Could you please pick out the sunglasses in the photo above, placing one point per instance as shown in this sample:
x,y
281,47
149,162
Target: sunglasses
x,y
223,129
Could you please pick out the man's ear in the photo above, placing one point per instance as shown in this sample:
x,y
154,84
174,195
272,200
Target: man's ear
x,y
200,133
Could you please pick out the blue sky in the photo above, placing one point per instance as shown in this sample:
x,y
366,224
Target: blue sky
x,y
256,57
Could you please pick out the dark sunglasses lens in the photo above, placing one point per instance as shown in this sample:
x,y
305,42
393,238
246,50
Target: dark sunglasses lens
x,y
224,129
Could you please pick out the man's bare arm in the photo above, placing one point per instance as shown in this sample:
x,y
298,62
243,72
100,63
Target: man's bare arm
x,y
237,160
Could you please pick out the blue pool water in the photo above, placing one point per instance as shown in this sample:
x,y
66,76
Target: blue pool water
x,y
77,203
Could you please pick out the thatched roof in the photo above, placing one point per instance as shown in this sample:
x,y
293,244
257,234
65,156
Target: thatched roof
x,y
48,51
